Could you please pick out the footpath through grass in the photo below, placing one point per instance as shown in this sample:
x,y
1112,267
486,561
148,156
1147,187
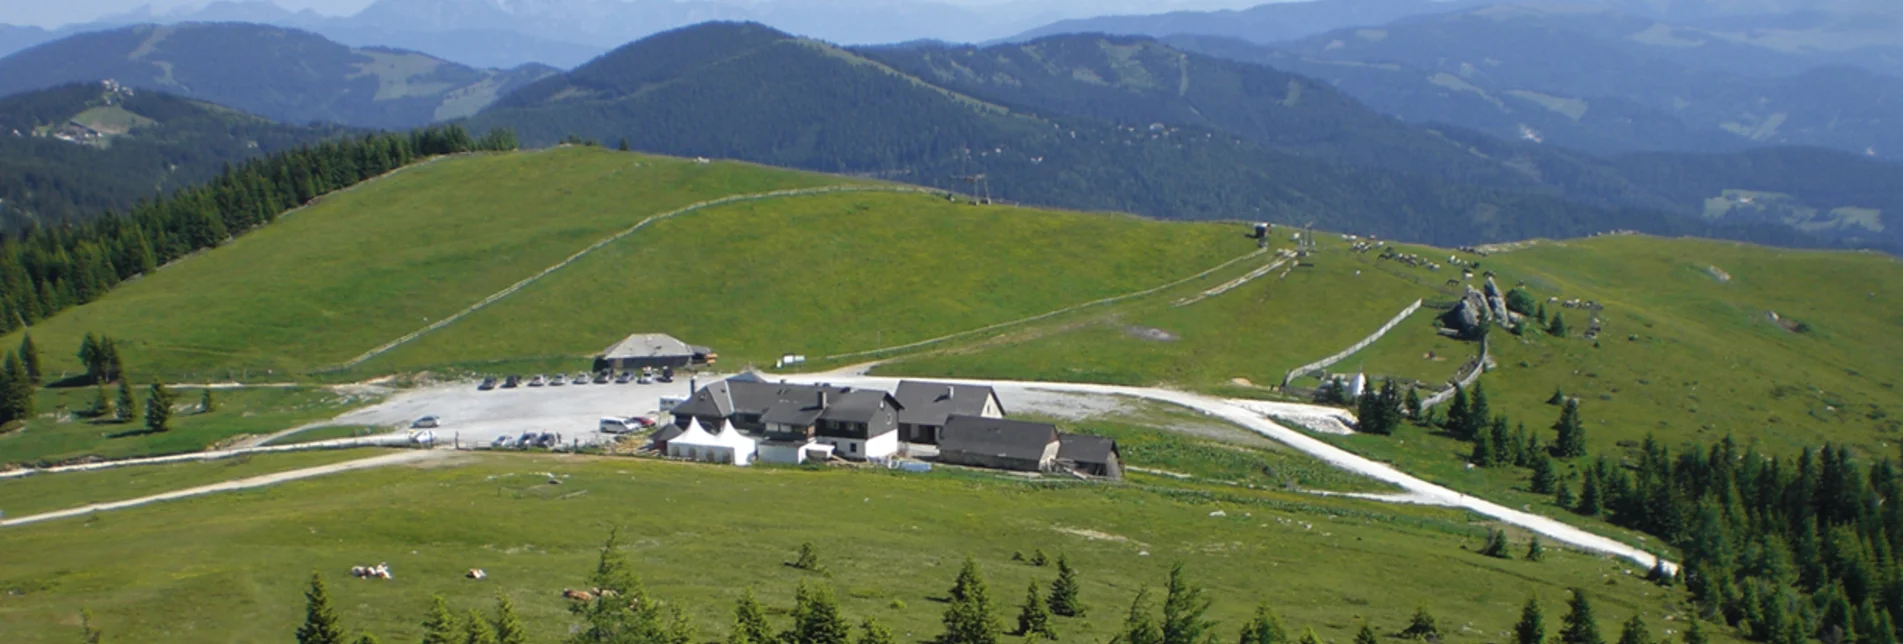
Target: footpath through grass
x,y
37,493
232,567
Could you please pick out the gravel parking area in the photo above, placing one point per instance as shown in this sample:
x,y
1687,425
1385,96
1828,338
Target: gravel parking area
x,y
472,416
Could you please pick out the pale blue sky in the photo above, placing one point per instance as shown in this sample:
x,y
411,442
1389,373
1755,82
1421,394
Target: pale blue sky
x,y
52,13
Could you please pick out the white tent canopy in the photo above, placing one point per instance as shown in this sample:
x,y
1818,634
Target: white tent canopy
x,y
696,444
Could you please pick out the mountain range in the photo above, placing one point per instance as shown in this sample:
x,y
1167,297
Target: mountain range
x,y
71,152
283,74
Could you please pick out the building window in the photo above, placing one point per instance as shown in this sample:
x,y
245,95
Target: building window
x,y
852,448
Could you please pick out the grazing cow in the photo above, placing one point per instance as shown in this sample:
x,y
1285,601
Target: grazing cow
x,y
476,573
577,595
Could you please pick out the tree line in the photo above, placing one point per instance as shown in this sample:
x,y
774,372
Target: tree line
x,y
617,609
46,270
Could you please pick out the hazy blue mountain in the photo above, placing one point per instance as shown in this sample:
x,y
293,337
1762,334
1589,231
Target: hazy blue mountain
x,y
14,38
282,74
1264,23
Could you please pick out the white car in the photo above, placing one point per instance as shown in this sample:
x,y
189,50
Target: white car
x,y
612,425
427,422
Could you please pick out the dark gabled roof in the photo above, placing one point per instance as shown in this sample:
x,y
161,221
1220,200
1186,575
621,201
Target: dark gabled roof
x,y
1084,448
798,413
859,405
712,401
667,433
996,437
930,403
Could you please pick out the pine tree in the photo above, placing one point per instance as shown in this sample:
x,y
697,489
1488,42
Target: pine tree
x,y
1422,626
1532,626
816,618
1479,413
101,405
1635,632
1183,608
1369,417
321,625
808,558
1366,635
623,145
871,632
1535,551
1496,545
1263,628
1456,412
1138,626
968,620
89,357
749,622
1309,637
1063,599
158,409
1482,455
1033,617
1590,502
439,627
1504,450
1579,625
1557,327
127,407
204,402
1544,479
30,359
16,393
509,628
1039,559
1695,633
1413,405
1571,441
477,630
630,615
1563,495
1542,315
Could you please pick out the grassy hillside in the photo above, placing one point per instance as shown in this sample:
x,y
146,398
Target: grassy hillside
x,y
1683,354
816,274
233,566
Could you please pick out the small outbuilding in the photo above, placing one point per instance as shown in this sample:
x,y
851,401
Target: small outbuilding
x,y
998,443
1093,455
652,350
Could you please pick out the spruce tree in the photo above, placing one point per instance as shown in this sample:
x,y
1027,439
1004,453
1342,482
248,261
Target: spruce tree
x,y
1571,441
127,408
30,359
89,358
749,622
1482,455
1563,495
13,406
1496,545
1366,635
101,405
1033,617
509,628
321,625
439,627
1635,632
808,558
1139,627
477,630
816,618
1532,626
158,409
1556,327
622,145
969,620
1183,608
1422,626
1544,478
1479,413
1063,600
1590,501
629,615
1535,551
1695,633
1413,404
1263,628
1369,418
1579,625
871,632
1558,397
1504,451
1456,412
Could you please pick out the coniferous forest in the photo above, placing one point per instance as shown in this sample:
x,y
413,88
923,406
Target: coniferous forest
x,y
46,270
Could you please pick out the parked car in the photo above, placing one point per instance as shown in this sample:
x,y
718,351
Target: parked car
x,y
644,380
501,442
557,380
487,384
612,425
546,439
581,378
643,421
527,440
427,422
602,377
511,382
538,380
624,378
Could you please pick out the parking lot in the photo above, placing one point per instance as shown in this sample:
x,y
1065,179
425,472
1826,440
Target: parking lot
x,y
471,416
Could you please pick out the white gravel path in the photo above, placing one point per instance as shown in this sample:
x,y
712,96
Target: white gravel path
x,y
239,484
1414,490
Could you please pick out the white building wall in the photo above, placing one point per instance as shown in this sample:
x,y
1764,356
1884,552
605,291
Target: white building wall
x,y
992,409
782,454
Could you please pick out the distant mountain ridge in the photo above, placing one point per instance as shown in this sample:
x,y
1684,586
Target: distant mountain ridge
x,y
282,74
73,152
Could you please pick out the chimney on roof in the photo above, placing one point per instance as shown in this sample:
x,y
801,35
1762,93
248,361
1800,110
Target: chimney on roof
x,y
948,391
693,387
822,398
